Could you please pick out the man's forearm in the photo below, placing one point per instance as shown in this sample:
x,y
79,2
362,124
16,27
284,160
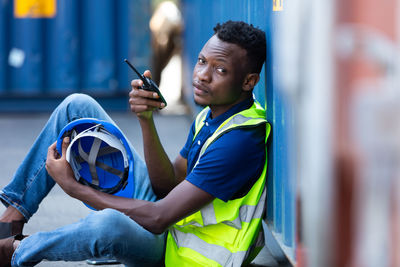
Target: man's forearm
x,y
155,217
160,168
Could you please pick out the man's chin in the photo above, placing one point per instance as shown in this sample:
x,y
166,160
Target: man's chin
x,y
199,102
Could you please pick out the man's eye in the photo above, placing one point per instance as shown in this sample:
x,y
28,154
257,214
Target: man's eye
x,y
221,70
201,61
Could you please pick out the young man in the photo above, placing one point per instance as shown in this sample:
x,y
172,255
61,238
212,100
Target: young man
x,y
210,199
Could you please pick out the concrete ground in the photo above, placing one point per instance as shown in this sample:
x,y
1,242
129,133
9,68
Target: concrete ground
x,y
18,132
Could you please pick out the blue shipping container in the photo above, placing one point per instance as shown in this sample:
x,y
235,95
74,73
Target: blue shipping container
x,y
81,49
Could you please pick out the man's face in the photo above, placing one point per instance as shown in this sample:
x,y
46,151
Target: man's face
x,y
219,74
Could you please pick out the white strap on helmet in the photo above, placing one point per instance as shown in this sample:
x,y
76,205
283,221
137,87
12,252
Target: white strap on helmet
x,y
100,135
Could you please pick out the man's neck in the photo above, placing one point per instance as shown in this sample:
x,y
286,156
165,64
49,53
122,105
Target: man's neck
x,y
217,110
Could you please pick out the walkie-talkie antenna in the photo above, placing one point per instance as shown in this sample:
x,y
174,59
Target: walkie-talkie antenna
x,y
146,83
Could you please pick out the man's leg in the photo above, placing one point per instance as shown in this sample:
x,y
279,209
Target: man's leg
x,y
31,183
106,233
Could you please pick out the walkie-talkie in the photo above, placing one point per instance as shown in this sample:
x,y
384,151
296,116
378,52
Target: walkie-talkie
x,y
148,84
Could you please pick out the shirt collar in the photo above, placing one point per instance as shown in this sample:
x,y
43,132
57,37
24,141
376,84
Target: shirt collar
x,y
245,104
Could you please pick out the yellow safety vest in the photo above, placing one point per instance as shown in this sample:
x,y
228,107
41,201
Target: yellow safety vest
x,y
222,233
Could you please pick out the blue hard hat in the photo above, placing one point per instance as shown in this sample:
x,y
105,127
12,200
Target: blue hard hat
x,y
99,155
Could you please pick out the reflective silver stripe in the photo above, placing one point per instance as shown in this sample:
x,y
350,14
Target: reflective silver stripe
x,y
215,252
189,223
246,213
208,214
200,121
249,212
238,119
211,251
236,223
218,253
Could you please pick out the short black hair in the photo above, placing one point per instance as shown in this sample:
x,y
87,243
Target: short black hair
x,y
247,37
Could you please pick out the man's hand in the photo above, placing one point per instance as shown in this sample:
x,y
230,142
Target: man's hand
x,y
59,168
143,102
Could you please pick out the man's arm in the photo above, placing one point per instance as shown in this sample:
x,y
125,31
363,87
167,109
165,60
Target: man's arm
x,y
163,174
156,217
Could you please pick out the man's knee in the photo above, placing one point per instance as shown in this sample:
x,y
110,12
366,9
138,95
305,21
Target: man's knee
x,y
109,224
80,105
79,100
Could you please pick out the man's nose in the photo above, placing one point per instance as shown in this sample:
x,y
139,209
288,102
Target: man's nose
x,y
204,74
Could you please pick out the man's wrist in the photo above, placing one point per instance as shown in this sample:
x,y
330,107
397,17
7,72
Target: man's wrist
x,y
73,188
145,117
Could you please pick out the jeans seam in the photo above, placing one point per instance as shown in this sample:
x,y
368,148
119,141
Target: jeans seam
x,y
18,206
28,187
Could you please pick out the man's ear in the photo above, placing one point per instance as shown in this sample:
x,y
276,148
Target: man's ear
x,y
250,81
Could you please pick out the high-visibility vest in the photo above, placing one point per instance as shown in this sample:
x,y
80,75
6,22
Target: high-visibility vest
x,y
222,233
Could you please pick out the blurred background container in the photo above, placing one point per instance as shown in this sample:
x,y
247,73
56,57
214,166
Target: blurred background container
x,y
79,47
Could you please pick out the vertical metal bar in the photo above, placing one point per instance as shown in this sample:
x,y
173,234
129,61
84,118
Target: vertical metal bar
x,y
281,114
269,92
140,42
4,41
26,56
122,27
98,50
62,66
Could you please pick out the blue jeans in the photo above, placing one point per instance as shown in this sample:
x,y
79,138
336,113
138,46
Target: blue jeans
x,y
106,233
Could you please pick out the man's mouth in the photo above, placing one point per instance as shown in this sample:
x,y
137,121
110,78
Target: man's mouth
x,y
200,89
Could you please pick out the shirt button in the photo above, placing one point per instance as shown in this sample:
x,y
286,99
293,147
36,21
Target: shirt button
x,y
198,142
206,123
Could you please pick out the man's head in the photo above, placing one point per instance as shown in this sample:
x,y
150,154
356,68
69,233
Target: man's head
x,y
247,37
228,66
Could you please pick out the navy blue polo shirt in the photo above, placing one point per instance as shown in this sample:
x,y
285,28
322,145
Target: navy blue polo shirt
x,y
232,163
